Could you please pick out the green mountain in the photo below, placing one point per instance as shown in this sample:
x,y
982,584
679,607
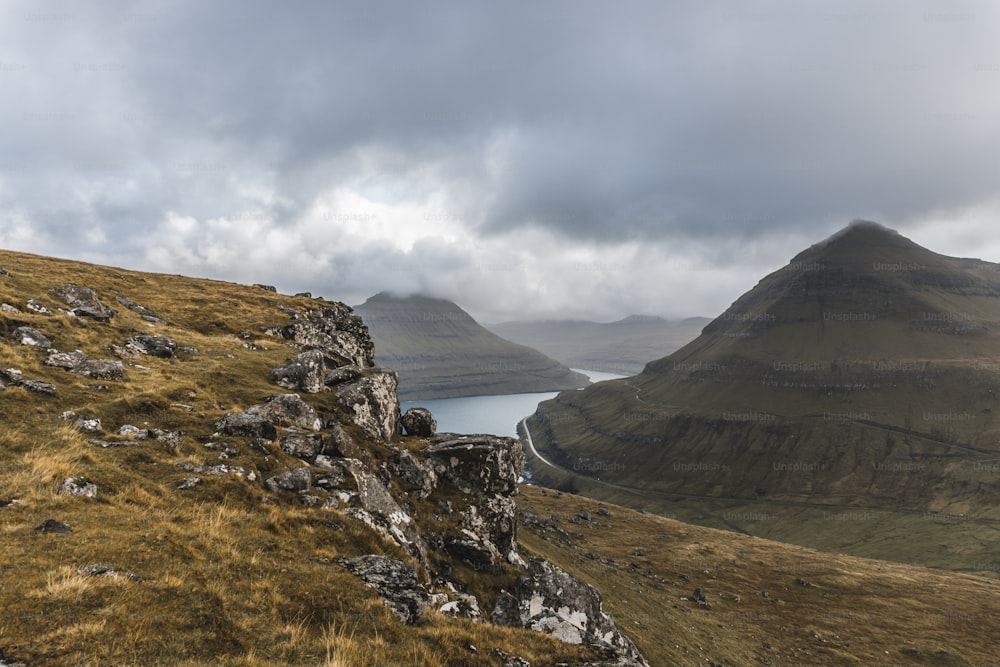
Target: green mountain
x,y
622,347
440,351
848,401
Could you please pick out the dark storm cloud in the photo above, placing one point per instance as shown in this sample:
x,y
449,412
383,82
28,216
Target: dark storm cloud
x,y
602,121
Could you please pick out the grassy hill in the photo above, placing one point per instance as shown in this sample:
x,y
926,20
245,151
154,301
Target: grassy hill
x,y
160,571
622,347
440,351
862,377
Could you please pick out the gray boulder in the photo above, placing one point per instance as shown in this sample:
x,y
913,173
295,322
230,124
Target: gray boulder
x,y
38,387
549,600
478,464
296,480
341,445
305,372
77,362
417,476
67,360
371,403
288,409
419,422
244,425
85,302
302,445
394,580
154,346
29,336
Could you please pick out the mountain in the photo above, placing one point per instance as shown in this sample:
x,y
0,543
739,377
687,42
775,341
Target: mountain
x,y
195,472
622,347
859,381
440,351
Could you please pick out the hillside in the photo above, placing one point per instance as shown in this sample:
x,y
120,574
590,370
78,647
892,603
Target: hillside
x,y
848,401
440,351
195,472
622,347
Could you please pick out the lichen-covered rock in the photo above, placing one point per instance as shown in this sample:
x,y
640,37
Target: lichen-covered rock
x,y
38,387
394,580
296,480
85,302
417,476
242,424
478,464
67,360
101,369
372,404
155,346
335,330
379,510
29,336
342,374
78,486
305,372
341,445
419,422
302,445
549,600
37,307
288,409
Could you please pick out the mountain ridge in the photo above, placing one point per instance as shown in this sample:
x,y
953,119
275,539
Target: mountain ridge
x,y
440,351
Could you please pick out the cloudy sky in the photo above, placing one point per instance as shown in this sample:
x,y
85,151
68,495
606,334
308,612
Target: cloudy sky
x,y
527,159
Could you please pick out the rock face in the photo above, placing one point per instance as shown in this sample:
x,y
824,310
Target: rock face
x,y
372,404
478,464
335,331
419,422
549,600
394,580
487,468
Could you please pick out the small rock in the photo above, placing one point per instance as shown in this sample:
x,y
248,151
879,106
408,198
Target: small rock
x,y
288,409
268,288
699,596
38,387
106,570
29,336
188,483
36,307
53,526
78,486
7,308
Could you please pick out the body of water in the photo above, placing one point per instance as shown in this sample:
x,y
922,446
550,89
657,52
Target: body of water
x,y
498,415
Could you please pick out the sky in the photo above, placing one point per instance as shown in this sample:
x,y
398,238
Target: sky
x,y
528,159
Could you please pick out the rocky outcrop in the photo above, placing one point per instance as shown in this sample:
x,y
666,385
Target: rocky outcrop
x,y
419,422
549,600
478,464
335,331
85,302
288,410
78,486
394,580
296,480
371,403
